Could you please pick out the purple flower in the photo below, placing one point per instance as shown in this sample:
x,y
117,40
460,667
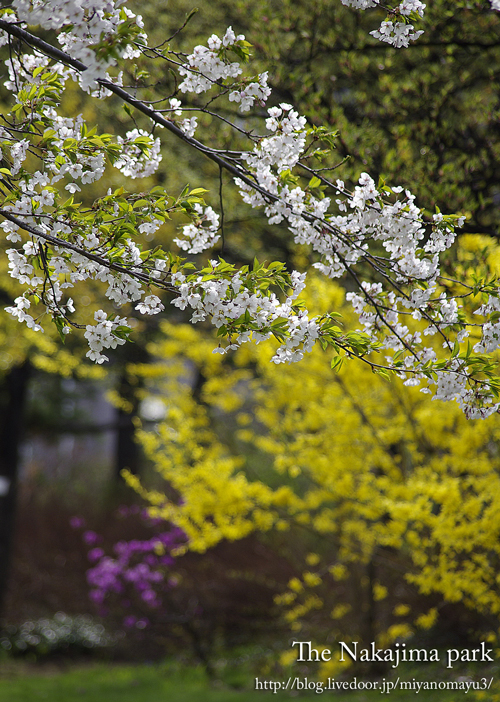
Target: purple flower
x,y
95,554
121,548
129,621
104,574
97,596
149,596
91,538
77,522
137,564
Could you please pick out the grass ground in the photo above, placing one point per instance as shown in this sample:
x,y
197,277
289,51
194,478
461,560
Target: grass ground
x,y
159,683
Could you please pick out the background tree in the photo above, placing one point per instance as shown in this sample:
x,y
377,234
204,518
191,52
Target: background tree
x,y
425,116
384,497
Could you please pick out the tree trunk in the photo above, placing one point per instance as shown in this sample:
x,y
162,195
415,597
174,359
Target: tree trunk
x,y
12,404
128,453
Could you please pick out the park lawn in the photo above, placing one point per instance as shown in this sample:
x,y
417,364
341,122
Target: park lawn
x,y
120,683
158,683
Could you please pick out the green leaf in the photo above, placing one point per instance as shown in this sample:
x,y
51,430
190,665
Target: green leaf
x,y
60,323
383,372
337,363
198,191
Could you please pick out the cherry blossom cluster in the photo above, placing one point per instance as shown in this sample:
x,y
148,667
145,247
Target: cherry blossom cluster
x,y
229,303
140,154
205,66
255,91
67,154
342,240
93,28
398,33
202,233
209,65
284,148
103,335
71,153
26,71
189,124
18,310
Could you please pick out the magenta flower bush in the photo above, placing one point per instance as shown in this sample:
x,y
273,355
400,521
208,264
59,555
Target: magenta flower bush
x,y
139,571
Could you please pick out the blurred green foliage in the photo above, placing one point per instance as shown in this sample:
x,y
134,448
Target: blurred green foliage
x,y
175,683
426,117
